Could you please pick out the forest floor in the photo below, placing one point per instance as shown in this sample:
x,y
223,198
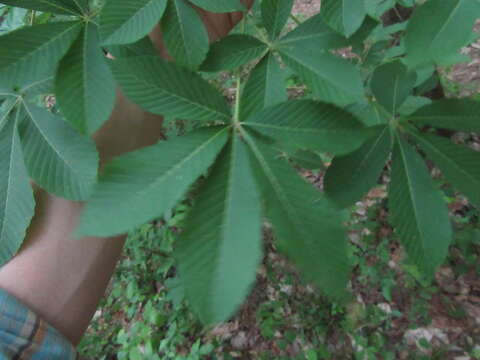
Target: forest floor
x,y
396,312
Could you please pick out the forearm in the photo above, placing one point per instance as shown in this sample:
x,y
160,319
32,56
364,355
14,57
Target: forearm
x,y
61,278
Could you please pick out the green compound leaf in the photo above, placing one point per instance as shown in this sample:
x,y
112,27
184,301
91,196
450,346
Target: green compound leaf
x,y
31,52
142,47
16,196
413,104
265,87
184,33
417,209
64,7
85,88
314,30
351,176
220,249
59,159
233,51
392,84
142,185
307,226
44,86
127,21
165,89
370,113
275,15
306,124
438,29
453,114
330,78
377,8
219,6
459,164
345,16
308,160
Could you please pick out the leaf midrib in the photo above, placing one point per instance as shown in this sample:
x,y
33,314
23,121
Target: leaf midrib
x,y
433,148
182,32
50,144
372,149
155,86
440,117
239,52
315,71
85,124
29,86
306,37
226,213
26,57
129,19
301,129
55,5
273,181
452,13
411,196
176,166
10,177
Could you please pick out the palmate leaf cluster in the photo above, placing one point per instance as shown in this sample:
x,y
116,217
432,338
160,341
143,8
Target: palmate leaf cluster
x,y
366,109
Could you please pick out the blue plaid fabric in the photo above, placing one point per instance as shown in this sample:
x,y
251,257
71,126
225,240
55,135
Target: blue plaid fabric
x,y
25,336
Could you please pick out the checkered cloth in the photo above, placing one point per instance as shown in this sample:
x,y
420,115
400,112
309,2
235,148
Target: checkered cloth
x,y
23,335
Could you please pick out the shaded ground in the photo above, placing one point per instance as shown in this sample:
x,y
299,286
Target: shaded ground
x,y
465,78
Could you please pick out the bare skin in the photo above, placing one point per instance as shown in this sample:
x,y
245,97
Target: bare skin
x,y
63,279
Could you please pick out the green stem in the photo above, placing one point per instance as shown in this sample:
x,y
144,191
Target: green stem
x,y
296,19
236,114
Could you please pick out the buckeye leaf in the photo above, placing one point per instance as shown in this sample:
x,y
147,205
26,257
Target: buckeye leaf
x,y
184,33
370,113
438,29
126,21
85,88
219,6
307,124
275,15
233,51
166,89
142,185
345,16
144,46
16,196
43,86
453,114
64,7
31,52
351,176
265,87
314,30
220,249
307,226
392,84
59,159
459,164
413,104
330,78
417,209
377,8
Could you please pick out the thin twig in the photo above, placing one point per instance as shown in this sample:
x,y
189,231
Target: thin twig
x,y
296,19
